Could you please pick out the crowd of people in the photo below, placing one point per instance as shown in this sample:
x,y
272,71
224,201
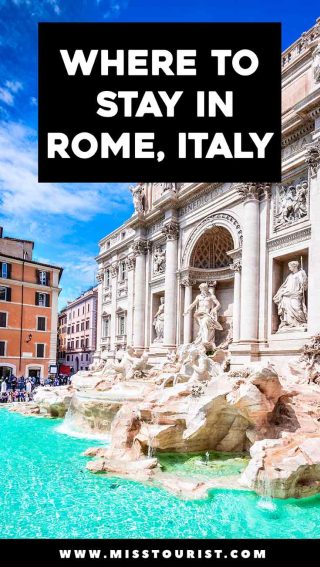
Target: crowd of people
x,y
13,389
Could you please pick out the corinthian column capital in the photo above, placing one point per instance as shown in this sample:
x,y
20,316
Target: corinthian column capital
x,y
171,230
139,247
253,191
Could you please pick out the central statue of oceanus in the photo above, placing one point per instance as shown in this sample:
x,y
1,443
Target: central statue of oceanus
x,y
206,315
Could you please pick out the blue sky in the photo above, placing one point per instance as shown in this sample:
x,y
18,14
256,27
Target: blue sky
x,y
67,221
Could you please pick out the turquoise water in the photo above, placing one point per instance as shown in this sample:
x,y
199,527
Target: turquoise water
x,y
45,492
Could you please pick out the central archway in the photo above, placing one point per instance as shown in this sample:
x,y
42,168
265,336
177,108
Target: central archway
x,y
211,249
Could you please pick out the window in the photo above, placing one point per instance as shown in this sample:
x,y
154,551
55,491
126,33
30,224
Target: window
x,y
2,348
87,357
73,314
72,345
87,323
40,350
69,316
82,343
78,312
123,271
43,277
68,347
72,358
83,310
106,327
68,358
42,299
122,325
82,326
77,343
81,357
87,342
77,328
107,278
5,293
72,329
3,319
88,307
5,270
41,324
68,330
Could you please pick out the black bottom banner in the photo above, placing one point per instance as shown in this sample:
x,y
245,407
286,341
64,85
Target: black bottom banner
x,y
153,551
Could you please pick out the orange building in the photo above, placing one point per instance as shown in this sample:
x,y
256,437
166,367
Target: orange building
x,y
29,293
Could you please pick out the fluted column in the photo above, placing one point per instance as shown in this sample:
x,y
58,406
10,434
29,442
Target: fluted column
x,y
171,232
100,279
130,262
236,267
139,251
313,161
250,263
113,321
187,319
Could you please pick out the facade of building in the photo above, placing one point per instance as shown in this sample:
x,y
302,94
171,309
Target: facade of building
x,y
77,332
240,239
29,293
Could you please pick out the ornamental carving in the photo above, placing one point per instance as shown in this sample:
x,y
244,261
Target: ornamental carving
x,y
187,281
140,247
100,275
114,269
159,260
313,157
316,64
236,266
138,197
291,204
130,262
288,239
253,191
171,230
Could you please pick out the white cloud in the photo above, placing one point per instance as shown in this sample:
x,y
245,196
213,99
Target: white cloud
x,y
36,7
6,96
14,86
21,195
8,91
33,101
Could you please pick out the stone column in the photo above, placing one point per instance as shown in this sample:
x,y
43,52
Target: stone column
x,y
171,232
263,272
187,319
113,322
313,161
100,280
236,267
139,251
130,261
250,263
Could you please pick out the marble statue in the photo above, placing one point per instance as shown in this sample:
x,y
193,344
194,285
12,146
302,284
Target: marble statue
x,y
158,322
159,261
137,195
206,315
292,203
316,64
290,299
